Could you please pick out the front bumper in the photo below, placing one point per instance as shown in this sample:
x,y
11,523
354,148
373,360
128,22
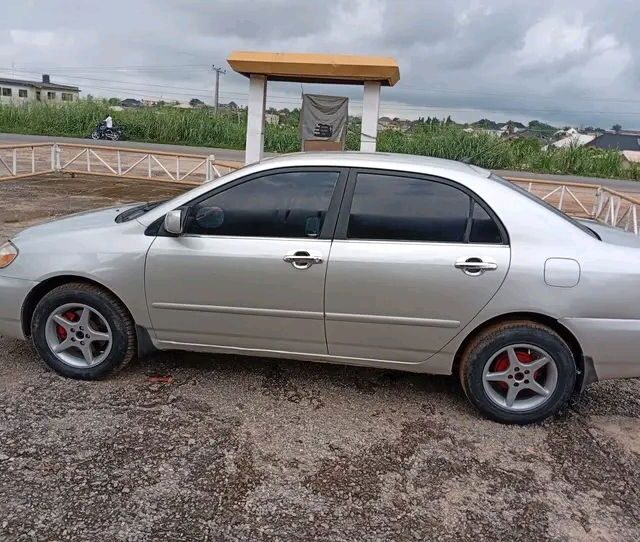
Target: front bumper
x,y
13,292
613,344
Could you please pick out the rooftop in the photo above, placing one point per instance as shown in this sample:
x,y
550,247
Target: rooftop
x,y
316,68
621,142
373,159
37,84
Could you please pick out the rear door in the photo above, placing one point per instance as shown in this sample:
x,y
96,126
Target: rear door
x,y
413,261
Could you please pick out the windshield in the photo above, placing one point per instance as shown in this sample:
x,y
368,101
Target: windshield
x,y
546,205
138,211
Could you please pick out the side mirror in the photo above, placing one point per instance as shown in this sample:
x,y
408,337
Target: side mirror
x,y
174,221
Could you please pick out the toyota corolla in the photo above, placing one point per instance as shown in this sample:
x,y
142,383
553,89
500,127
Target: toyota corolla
x,y
390,261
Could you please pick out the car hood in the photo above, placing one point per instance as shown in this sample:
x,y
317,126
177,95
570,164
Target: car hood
x,y
78,221
613,236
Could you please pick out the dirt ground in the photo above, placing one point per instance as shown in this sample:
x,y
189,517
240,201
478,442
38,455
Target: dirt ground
x,y
201,447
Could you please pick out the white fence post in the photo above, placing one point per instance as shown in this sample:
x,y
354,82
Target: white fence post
x,y
58,167
209,168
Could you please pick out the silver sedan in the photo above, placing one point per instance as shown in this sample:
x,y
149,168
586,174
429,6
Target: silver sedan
x,y
390,261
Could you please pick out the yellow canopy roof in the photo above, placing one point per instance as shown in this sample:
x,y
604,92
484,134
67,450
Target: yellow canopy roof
x,y
316,68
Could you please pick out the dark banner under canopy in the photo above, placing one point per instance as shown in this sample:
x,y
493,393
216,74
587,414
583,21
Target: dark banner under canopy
x,y
324,118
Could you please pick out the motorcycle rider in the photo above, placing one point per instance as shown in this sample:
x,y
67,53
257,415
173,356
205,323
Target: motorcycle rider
x,y
108,122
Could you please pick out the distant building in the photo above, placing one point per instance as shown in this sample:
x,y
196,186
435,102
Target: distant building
x,y
272,118
19,91
620,141
573,140
396,124
633,157
130,102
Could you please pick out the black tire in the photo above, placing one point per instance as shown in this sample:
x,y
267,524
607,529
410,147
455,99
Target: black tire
x,y
480,350
123,346
95,135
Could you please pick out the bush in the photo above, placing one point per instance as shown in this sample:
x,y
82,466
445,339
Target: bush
x,y
200,127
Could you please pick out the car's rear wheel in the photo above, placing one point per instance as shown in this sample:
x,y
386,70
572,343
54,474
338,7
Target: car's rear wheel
x,y
518,372
82,331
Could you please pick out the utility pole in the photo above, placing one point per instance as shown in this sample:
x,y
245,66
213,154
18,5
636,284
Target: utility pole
x,y
216,92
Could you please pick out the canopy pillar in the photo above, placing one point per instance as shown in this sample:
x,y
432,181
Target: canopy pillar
x,y
370,71
370,111
255,119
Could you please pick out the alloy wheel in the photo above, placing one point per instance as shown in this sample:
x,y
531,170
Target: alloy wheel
x,y
520,377
78,335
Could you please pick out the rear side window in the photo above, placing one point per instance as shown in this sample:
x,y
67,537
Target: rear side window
x,y
483,227
286,204
400,208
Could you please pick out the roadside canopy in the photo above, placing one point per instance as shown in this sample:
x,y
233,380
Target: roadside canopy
x,y
370,71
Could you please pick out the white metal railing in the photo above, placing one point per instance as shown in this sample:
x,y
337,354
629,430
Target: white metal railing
x,y
26,160
617,210
17,161
587,201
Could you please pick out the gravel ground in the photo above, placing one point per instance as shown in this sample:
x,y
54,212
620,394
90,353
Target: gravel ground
x,y
201,447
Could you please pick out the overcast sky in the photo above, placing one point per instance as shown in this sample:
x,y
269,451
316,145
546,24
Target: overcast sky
x,y
565,61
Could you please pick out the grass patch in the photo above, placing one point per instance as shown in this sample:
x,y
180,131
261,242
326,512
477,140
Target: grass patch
x,y
199,127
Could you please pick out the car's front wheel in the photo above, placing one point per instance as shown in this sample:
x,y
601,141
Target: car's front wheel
x,y
82,331
518,372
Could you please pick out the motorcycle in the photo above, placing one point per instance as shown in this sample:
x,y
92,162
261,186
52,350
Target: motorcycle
x,y
112,134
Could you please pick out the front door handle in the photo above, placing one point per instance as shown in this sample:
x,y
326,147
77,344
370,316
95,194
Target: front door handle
x,y
302,259
475,266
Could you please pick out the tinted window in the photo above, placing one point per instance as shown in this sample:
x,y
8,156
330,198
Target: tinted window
x,y
407,209
483,228
289,204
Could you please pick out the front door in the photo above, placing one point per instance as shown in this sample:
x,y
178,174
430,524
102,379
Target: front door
x,y
249,271
414,260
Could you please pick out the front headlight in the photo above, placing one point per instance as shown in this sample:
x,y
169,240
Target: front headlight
x,y
8,253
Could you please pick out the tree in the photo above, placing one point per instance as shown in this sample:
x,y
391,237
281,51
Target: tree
x,y
195,102
616,128
114,101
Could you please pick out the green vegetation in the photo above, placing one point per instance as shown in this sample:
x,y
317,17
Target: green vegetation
x,y
201,127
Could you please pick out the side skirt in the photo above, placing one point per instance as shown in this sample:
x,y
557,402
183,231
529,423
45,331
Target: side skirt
x,y
439,363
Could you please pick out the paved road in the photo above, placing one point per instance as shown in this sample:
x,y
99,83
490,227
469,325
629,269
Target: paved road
x,y
235,155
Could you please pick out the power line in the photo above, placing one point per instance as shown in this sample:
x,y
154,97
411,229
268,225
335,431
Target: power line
x,y
283,99
125,68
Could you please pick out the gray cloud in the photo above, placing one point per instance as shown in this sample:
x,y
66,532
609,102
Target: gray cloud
x,y
576,61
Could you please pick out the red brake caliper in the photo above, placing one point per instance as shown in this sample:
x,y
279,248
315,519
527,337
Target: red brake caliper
x,y
501,363
62,332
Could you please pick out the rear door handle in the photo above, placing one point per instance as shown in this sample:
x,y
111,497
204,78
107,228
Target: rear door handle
x,y
475,266
302,259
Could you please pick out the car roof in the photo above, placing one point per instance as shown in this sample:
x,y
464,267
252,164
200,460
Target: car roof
x,y
392,161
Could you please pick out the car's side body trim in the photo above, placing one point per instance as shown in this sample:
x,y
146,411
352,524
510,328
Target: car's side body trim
x,y
252,311
395,320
